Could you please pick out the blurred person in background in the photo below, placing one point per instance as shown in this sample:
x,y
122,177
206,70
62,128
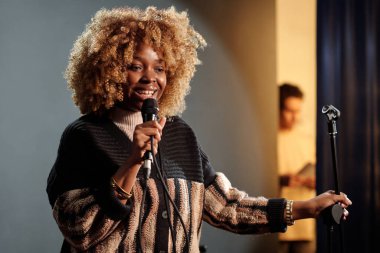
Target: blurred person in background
x,y
296,166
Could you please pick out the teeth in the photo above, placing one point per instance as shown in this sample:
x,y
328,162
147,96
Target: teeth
x,y
146,92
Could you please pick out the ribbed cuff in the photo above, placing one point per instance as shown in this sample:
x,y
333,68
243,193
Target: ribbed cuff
x,y
275,211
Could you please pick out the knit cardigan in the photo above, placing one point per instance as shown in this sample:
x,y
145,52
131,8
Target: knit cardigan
x,y
92,219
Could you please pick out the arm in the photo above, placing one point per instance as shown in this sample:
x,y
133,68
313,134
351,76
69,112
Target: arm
x,y
84,205
233,210
228,208
125,176
82,220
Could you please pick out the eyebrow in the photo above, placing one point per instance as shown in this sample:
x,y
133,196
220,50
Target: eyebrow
x,y
140,58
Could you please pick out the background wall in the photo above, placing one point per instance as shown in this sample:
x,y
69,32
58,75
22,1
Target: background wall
x,y
237,101
232,107
296,53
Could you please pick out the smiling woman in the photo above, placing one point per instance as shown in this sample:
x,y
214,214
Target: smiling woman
x,y
101,199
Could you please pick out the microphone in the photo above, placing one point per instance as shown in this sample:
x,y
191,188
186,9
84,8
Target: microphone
x,y
331,112
149,112
332,115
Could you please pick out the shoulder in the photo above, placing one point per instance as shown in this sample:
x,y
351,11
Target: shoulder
x,y
74,128
78,130
177,121
176,124
84,122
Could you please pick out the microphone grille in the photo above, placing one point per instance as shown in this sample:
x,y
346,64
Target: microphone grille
x,y
149,106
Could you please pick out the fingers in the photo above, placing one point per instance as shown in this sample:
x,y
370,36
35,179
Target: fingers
x,y
345,214
162,121
343,199
143,133
344,202
150,128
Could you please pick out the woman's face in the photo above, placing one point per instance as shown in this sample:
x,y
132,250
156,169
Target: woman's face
x,y
146,78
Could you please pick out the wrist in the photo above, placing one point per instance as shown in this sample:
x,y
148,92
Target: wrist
x,y
119,191
302,210
125,176
136,158
131,165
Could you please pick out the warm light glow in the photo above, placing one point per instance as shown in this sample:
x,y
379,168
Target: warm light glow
x,y
296,53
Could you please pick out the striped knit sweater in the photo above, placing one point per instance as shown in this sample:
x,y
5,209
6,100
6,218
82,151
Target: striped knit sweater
x,y
92,219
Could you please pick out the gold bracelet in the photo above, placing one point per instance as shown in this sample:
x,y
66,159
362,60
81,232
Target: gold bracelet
x,y
289,213
121,193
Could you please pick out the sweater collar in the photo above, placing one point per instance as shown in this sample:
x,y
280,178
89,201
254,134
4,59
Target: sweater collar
x,y
126,121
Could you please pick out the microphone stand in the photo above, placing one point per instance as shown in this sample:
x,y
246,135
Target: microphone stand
x,y
333,214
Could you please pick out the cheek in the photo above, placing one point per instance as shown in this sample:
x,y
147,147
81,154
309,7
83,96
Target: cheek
x,y
163,82
287,116
131,78
126,91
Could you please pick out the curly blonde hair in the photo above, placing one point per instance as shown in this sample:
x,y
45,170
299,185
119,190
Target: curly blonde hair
x,y
97,66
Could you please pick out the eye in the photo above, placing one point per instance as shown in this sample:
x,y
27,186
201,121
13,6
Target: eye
x,y
135,67
159,69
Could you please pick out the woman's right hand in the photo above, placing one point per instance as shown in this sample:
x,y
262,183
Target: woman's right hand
x,y
141,139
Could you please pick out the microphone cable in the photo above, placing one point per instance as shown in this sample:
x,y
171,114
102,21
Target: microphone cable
x,y
145,186
167,207
187,246
149,111
172,231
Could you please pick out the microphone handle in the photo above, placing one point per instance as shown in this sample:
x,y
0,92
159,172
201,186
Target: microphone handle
x,y
148,160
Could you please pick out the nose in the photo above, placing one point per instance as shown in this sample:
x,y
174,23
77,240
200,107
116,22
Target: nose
x,y
149,76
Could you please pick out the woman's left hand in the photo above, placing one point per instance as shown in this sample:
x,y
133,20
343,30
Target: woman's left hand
x,y
312,208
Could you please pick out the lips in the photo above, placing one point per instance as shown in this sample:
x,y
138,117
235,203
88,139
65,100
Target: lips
x,y
145,93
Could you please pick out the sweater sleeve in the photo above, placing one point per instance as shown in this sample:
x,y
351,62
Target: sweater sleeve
x,y
84,205
233,210
81,219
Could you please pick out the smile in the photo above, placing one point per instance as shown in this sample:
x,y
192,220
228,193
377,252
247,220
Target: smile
x,y
146,92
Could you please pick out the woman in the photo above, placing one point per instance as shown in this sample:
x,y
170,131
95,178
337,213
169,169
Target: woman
x,y
96,187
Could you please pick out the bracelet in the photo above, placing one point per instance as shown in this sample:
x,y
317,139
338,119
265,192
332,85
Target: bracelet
x,y
289,213
121,193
